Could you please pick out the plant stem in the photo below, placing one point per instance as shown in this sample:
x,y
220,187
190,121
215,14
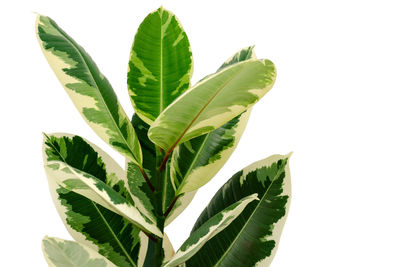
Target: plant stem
x,y
171,206
146,178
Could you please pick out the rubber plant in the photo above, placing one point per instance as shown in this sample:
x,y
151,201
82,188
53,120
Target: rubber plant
x,y
177,140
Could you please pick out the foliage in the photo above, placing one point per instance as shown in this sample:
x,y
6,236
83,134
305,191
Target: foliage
x,y
177,140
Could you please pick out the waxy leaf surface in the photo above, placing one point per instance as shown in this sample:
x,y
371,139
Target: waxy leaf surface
x,y
89,223
208,230
160,65
91,187
88,89
212,102
64,253
252,238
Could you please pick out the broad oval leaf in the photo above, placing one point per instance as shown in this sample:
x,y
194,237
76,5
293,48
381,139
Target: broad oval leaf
x,y
252,239
160,64
200,165
89,90
89,223
212,102
208,230
59,252
89,186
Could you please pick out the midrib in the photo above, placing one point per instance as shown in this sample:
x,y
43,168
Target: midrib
x,y
245,225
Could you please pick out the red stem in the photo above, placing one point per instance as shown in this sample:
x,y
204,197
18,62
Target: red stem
x,y
170,207
146,178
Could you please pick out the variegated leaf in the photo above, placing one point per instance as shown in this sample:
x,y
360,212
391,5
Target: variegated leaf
x,y
89,90
89,186
150,168
196,161
208,230
160,65
200,165
89,223
252,239
64,253
212,102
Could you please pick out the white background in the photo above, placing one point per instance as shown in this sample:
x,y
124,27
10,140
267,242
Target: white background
x,y
335,104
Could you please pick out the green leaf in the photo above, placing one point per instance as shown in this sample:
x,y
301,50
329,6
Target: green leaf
x,y
197,166
252,239
208,230
76,179
63,253
150,168
196,161
212,102
89,223
89,90
160,64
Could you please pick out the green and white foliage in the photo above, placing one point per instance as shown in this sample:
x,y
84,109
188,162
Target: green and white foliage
x,y
252,239
83,183
208,230
89,223
196,161
213,102
59,252
160,64
177,140
89,90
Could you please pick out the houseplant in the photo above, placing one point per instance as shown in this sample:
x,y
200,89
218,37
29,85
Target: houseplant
x,y
177,140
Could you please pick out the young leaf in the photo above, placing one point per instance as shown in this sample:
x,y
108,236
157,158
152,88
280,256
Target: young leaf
x,y
59,252
212,102
252,239
160,64
89,223
89,90
208,230
91,187
198,166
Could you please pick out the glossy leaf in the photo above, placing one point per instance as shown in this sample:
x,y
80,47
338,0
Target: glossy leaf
x,y
64,253
88,89
160,65
150,168
252,239
212,102
208,230
89,223
89,186
197,161
198,166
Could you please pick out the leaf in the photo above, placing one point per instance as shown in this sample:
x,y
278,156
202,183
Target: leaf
x,y
197,161
208,230
200,165
212,102
160,64
89,186
89,223
89,90
147,258
252,239
63,253
150,167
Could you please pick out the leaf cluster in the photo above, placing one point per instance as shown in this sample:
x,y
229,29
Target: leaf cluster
x,y
177,140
